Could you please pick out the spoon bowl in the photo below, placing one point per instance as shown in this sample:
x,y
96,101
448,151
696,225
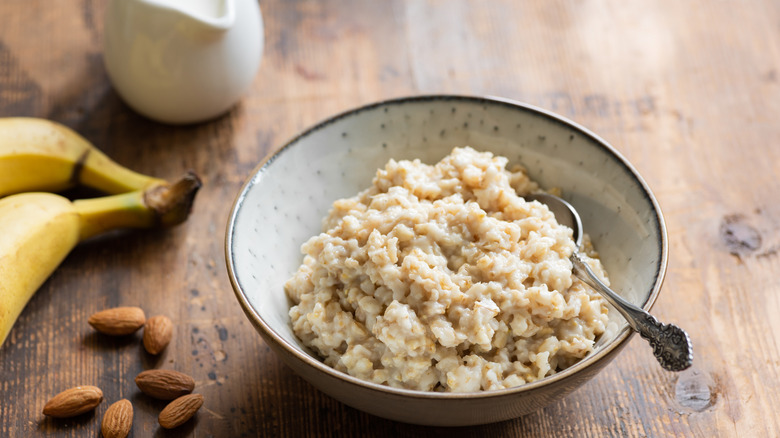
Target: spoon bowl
x,y
671,344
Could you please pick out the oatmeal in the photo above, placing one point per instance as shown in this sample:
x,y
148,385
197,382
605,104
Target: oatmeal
x,y
443,278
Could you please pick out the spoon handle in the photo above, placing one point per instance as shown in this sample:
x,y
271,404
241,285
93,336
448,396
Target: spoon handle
x,y
671,344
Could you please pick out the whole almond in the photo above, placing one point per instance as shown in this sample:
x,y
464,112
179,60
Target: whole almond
x,y
118,321
73,401
180,410
164,384
118,420
158,331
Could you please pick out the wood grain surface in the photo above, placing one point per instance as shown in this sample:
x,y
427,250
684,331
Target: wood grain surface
x,y
689,91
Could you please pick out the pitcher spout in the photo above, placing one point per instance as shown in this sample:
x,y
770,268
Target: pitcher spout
x,y
210,14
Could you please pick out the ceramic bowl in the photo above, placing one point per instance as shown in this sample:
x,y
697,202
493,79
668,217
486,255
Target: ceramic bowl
x,y
283,202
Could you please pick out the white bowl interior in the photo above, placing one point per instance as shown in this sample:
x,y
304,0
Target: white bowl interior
x,y
283,204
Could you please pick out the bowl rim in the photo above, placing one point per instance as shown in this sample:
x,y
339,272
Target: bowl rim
x,y
620,339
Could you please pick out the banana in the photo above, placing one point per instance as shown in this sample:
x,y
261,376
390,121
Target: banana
x,y
41,155
40,229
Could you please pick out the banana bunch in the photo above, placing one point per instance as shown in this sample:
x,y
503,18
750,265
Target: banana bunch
x,y
39,229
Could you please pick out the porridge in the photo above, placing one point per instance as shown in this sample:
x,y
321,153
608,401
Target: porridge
x,y
443,278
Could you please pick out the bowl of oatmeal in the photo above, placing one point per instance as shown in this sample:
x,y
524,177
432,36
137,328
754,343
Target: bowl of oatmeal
x,y
389,257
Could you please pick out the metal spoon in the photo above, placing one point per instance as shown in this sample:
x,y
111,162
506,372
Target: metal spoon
x,y
671,345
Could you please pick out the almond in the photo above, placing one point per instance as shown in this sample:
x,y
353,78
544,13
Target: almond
x,y
164,384
118,420
180,410
158,331
73,401
118,321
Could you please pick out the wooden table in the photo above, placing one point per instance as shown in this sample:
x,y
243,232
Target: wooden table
x,y
688,91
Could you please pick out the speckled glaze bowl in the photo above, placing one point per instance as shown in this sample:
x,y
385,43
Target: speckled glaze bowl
x,y
283,202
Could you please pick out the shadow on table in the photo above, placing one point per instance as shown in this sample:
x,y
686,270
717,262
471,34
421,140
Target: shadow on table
x,y
291,407
79,422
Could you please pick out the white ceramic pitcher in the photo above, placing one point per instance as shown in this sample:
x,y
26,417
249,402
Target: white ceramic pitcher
x,y
182,61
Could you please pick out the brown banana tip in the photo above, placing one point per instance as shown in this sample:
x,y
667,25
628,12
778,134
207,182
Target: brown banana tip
x,y
173,202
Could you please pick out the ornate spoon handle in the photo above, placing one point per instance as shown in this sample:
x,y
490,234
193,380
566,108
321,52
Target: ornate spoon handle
x,y
671,345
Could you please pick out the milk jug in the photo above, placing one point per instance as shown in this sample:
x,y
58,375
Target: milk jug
x,y
182,61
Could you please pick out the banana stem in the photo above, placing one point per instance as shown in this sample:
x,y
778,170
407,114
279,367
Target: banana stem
x,y
160,205
99,215
90,170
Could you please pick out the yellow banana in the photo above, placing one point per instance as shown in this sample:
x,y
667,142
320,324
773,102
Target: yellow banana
x,y
40,229
41,155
